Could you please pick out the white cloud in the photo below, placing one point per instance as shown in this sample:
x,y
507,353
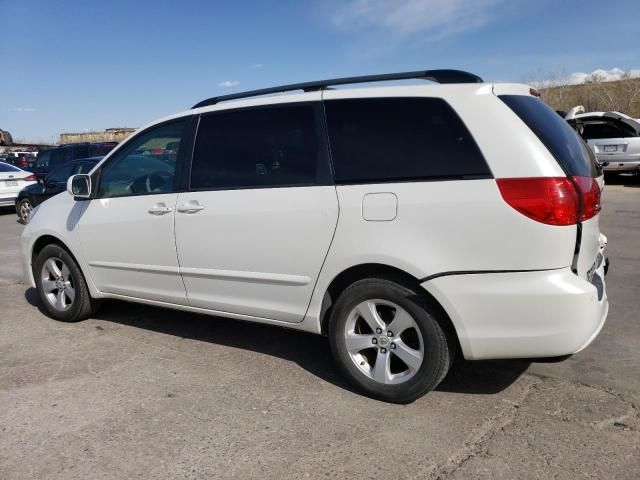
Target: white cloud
x,y
405,17
598,75
24,109
229,83
257,65
601,75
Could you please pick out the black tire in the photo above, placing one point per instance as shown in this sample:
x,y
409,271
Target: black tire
x,y
438,349
20,209
82,306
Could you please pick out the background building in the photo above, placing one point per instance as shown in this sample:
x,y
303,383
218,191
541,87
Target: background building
x,y
108,135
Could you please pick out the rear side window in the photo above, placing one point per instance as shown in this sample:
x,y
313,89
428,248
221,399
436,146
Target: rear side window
x,y
396,139
561,140
262,147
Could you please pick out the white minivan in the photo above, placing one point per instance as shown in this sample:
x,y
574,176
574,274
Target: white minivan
x,y
407,223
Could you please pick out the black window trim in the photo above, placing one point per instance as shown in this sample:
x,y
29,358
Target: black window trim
x,y
323,162
421,178
186,135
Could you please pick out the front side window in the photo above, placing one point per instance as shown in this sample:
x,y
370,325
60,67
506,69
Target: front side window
x,y
396,139
261,147
145,165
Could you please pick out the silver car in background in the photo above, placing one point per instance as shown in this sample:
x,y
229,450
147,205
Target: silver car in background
x,y
613,136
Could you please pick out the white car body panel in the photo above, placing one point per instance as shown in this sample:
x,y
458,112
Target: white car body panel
x,y
131,251
269,255
255,252
10,185
521,314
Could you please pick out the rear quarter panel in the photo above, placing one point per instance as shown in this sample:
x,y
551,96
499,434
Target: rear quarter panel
x,y
456,225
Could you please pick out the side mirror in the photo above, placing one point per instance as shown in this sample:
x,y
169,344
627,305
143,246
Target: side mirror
x,y
79,186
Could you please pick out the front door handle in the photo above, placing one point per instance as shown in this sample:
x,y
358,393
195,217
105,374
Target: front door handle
x,y
159,209
192,206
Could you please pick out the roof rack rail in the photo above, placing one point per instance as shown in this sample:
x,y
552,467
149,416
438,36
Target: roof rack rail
x,y
438,76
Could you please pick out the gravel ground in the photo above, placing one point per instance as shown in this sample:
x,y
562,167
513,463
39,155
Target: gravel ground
x,y
141,392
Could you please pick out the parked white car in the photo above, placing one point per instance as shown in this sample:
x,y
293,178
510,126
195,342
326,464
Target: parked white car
x,y
407,223
613,136
12,180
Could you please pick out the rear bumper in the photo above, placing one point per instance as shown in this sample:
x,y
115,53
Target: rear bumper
x,y
525,314
620,165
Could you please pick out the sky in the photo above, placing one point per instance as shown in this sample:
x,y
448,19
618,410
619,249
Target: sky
x,y
77,65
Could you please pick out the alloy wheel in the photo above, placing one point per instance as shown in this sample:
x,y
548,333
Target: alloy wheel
x,y
383,340
25,211
57,284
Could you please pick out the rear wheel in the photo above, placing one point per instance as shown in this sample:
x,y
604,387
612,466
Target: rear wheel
x,y
62,289
387,340
24,210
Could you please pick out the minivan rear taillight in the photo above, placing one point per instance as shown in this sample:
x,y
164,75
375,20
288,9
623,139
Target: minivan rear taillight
x,y
590,193
552,200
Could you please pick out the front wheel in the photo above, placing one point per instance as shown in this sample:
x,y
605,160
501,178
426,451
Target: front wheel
x,y
24,210
387,341
62,289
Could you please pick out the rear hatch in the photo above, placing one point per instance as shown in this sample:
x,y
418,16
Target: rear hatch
x,y
579,164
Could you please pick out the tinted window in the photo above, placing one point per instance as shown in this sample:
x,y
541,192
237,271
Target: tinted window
x,y
5,167
100,149
261,147
80,151
395,139
60,156
60,174
83,167
43,159
563,142
144,165
606,130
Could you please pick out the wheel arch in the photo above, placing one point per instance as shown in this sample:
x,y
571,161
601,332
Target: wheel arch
x,y
48,239
45,240
378,270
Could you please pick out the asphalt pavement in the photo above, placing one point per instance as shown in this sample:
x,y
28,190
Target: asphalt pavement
x,y
143,392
